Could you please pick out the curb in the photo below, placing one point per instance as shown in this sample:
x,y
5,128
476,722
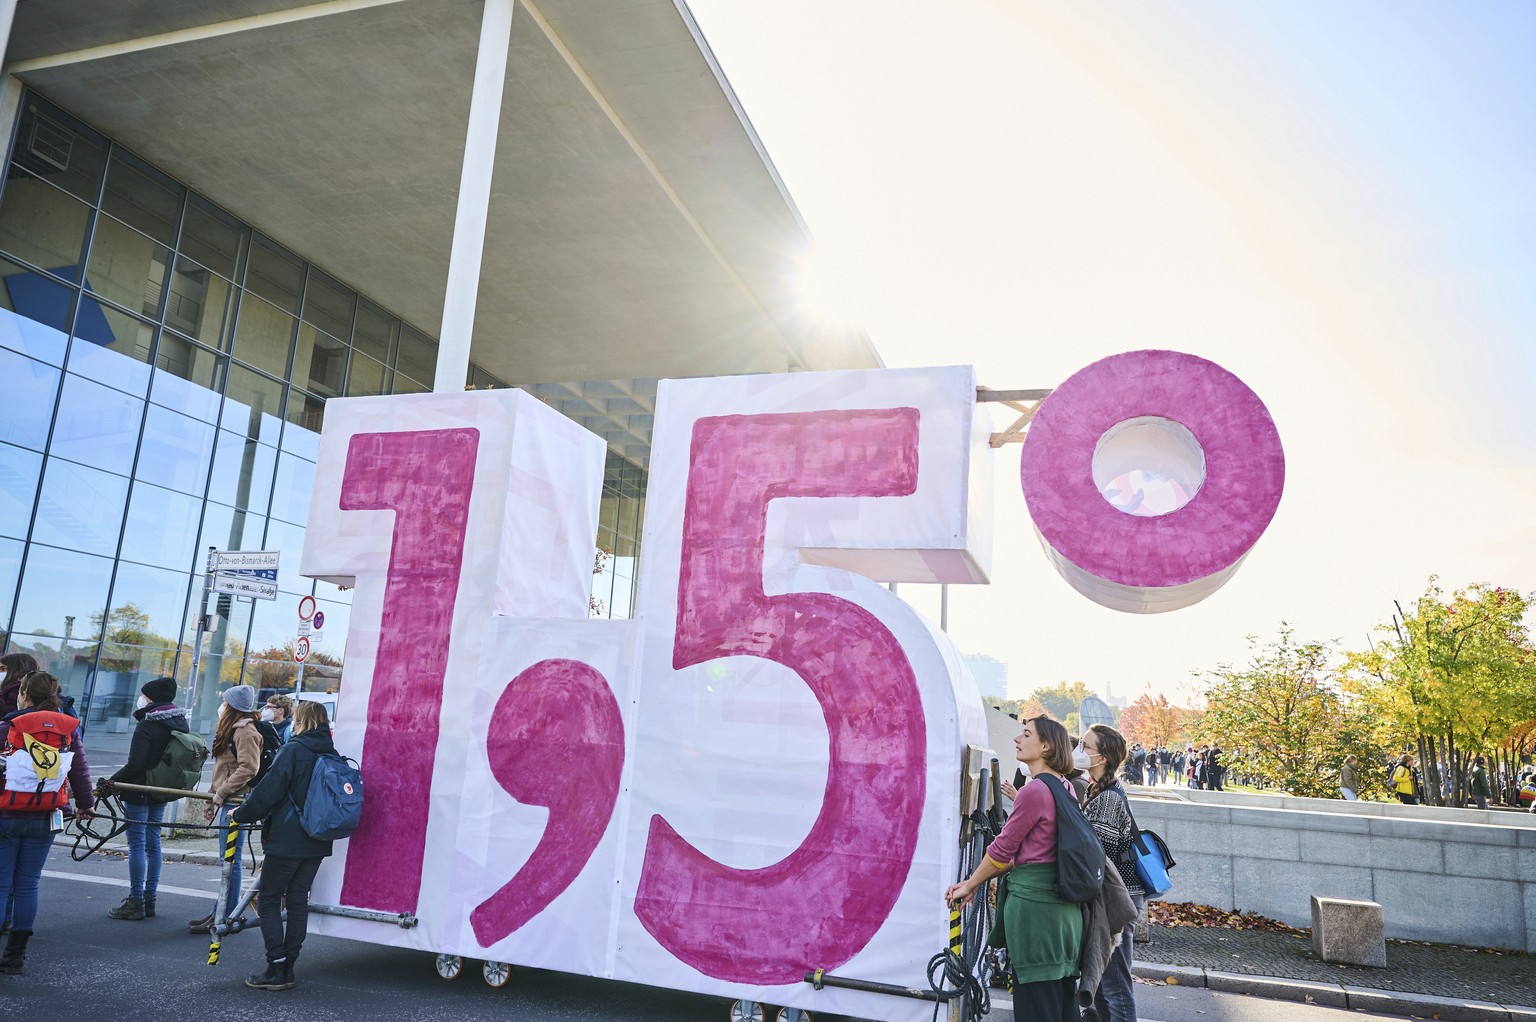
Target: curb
x,y
1338,995
198,858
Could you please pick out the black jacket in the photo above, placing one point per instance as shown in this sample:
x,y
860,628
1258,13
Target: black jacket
x,y
150,739
288,778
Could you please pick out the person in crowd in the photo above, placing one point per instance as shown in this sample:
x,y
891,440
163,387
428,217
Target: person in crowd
x,y
292,856
157,717
1044,932
237,748
27,831
1109,812
1404,781
279,713
1349,779
1077,777
1478,785
1216,770
14,667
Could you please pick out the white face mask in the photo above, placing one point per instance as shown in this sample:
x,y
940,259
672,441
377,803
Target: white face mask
x,y
268,714
143,702
1080,759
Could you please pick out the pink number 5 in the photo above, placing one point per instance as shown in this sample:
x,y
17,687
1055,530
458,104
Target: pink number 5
x,y
824,901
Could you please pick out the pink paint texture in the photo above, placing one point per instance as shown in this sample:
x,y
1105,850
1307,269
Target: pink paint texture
x,y
556,740
1244,469
821,904
426,478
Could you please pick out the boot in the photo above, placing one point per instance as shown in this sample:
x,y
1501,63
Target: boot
x,y
131,908
201,924
149,906
16,953
279,976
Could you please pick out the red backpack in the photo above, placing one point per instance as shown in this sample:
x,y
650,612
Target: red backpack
x,y
37,762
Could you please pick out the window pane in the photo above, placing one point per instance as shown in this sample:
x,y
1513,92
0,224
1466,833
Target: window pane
x,y
404,385
213,237
147,607
69,660
33,387
331,642
290,495
123,670
187,377
142,197
228,529
305,415
19,472
274,274
242,472
62,584
162,529
34,312
127,268
42,225
79,508
59,149
200,303
365,376
253,404
374,333
111,347
10,572
288,539
96,425
263,336
328,303
320,362
418,355
175,451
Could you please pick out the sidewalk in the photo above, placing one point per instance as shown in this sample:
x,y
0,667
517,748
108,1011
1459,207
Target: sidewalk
x,y
1440,981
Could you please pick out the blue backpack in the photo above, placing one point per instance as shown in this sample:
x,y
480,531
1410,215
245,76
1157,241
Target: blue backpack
x,y
334,804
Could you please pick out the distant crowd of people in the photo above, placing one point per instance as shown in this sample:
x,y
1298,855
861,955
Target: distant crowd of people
x,y
1405,781
1203,768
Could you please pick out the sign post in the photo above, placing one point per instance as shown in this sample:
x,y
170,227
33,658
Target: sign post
x,y
307,613
248,573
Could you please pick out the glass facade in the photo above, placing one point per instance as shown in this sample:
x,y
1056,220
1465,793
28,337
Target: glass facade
x,y
169,368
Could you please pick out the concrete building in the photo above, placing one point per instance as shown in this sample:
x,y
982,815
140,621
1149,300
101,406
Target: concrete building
x,y
991,675
215,218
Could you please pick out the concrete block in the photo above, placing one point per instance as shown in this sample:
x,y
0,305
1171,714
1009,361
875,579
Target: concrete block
x,y
1173,975
1451,909
1348,931
1395,852
1470,859
1446,1009
1334,848
1327,994
1530,916
1209,835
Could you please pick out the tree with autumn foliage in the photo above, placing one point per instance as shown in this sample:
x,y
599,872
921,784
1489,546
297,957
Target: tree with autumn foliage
x,y
1283,717
1155,721
1451,680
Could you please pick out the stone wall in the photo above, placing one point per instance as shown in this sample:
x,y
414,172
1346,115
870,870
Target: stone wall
x,y
1440,875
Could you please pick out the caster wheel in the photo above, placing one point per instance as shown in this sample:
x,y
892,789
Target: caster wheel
x,y
496,974
792,1015
449,966
747,1011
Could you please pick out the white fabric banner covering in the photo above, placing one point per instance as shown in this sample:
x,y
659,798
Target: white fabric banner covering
x,y
756,777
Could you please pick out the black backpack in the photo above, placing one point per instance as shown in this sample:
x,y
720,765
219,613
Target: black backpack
x,y
270,743
1080,858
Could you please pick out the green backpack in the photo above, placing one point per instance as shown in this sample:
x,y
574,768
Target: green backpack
x,y
182,765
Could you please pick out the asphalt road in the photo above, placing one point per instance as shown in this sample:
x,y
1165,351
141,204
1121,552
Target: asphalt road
x,y
84,965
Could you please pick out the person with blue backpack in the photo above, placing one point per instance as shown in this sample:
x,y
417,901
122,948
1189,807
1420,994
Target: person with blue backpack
x,y
309,797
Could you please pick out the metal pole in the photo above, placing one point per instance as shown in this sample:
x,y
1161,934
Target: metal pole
x,y
202,628
943,606
231,834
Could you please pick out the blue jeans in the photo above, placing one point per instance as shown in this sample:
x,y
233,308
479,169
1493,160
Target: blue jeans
x,y
222,821
144,859
24,843
1116,997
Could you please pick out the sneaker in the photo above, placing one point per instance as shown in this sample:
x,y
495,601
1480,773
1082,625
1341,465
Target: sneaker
x,y
131,908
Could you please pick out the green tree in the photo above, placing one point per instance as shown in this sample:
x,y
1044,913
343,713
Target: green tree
x,y
1061,700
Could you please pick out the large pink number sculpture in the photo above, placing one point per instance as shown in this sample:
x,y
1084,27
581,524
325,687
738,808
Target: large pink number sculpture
x,y
824,901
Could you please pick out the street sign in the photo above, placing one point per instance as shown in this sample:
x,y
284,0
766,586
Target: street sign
x,y
307,608
319,620
303,627
244,585
301,650
237,561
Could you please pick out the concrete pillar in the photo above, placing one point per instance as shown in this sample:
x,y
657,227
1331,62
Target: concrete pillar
x,y
474,197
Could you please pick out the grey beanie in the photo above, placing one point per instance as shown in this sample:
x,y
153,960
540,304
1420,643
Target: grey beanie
x,y
241,698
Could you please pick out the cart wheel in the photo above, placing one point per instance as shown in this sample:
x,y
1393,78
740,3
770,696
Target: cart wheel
x,y
496,974
792,1015
747,1011
449,966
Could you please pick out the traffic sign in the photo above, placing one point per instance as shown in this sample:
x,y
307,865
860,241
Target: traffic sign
x,y
306,608
227,561
300,650
303,627
319,620
244,585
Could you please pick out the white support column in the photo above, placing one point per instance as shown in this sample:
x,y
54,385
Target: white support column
x,y
474,197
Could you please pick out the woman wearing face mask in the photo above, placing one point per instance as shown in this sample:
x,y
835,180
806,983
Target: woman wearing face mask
x,y
14,667
279,713
158,716
1108,810
236,758
1045,933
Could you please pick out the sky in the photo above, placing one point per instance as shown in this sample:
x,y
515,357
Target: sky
x,y
1335,202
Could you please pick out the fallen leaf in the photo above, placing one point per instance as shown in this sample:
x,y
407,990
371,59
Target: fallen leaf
x,y
1173,981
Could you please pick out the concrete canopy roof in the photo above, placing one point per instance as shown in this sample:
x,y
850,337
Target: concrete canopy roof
x,y
636,227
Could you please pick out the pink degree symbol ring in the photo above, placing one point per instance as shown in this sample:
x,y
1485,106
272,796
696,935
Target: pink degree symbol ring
x,y
1159,562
